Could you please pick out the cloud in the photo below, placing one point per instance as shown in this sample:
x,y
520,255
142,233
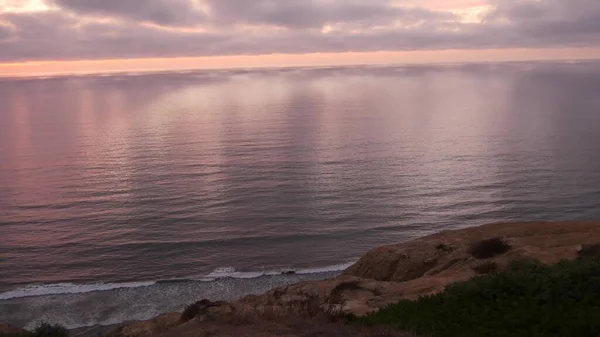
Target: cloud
x,y
5,31
55,35
302,14
575,22
161,12
76,29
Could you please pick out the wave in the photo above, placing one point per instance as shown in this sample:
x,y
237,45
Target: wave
x,y
334,268
68,288
218,273
230,272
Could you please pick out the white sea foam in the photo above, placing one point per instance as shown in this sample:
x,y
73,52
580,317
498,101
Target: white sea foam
x,y
334,268
218,273
68,288
231,272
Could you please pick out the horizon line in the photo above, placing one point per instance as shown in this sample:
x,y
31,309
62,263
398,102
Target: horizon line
x,y
54,68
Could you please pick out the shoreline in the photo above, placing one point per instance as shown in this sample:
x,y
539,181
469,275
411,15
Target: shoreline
x,y
388,274
64,288
112,305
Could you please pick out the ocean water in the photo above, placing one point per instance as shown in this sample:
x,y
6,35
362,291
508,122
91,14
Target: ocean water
x,y
128,195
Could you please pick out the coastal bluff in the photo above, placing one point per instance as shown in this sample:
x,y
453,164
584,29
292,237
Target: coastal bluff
x,y
381,277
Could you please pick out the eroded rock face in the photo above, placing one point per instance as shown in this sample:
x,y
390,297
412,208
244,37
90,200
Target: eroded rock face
x,y
147,328
9,329
446,254
386,275
296,327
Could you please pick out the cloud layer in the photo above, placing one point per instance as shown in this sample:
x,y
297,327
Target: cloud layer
x,y
92,29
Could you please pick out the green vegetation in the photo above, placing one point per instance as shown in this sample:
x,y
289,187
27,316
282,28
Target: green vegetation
x,y
486,268
16,334
43,330
488,248
528,299
49,330
444,248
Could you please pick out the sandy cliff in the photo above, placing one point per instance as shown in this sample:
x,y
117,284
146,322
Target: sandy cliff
x,y
383,276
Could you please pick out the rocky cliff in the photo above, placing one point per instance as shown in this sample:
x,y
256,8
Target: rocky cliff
x,y
383,276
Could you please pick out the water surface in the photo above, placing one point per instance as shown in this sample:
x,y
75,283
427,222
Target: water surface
x,y
125,179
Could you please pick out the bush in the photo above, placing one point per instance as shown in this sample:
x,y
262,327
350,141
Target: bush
x,y
48,330
486,268
444,248
43,330
489,248
528,299
191,311
16,334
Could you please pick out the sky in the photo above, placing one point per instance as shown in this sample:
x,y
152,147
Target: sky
x,y
116,35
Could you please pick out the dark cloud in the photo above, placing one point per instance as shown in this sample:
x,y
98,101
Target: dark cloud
x,y
161,12
54,35
576,22
540,11
5,32
34,33
316,13
285,26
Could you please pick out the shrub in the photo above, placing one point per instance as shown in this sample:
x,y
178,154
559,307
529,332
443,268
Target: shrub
x,y
486,268
46,329
346,286
489,248
444,248
16,334
190,312
528,299
199,308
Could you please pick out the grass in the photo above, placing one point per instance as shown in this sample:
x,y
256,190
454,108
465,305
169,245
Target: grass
x,y
526,300
43,330
488,248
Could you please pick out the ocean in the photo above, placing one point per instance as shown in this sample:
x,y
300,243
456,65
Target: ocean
x,y
124,196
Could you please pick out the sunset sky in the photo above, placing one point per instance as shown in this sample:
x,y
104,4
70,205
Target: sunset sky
x,y
54,36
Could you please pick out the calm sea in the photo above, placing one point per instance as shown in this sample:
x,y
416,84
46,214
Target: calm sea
x,y
127,195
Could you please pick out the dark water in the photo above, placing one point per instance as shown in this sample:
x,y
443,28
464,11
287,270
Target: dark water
x,y
133,179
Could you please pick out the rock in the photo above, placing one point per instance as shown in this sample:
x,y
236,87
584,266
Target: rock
x,y
9,329
278,328
422,267
148,328
383,276
589,251
446,254
204,308
93,331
